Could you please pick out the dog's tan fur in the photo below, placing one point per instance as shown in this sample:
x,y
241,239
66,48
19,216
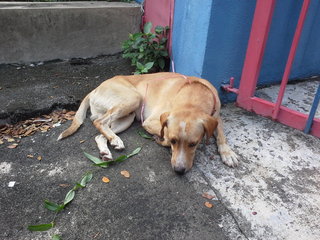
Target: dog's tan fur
x,y
179,110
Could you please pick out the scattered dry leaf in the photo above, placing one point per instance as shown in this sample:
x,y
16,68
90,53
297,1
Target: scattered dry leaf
x,y
82,141
208,205
254,213
39,158
29,156
105,180
31,126
125,173
64,185
13,145
207,196
1,142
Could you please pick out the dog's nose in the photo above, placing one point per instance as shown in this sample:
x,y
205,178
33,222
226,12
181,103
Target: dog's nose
x,y
179,170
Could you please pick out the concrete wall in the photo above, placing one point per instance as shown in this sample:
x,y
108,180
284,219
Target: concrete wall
x,y
189,36
33,32
210,40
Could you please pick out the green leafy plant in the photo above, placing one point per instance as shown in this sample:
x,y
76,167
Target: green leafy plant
x,y
147,50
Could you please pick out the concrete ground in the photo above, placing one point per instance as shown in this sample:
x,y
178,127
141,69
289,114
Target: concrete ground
x,y
273,194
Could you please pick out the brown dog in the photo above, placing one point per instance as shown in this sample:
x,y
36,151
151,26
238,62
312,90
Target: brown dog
x,y
179,110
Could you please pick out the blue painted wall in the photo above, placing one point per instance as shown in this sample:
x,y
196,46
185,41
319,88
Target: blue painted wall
x,y
190,33
210,40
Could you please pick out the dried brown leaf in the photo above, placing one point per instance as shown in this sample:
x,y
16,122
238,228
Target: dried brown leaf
x,y
10,140
207,196
208,205
28,133
105,180
30,156
12,146
125,173
39,158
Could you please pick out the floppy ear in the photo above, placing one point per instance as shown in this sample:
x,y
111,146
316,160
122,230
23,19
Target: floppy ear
x,y
209,125
163,121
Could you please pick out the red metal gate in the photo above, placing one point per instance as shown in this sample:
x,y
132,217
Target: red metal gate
x,y
251,69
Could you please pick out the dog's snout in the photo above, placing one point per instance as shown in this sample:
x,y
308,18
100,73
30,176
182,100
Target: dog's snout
x,y
179,170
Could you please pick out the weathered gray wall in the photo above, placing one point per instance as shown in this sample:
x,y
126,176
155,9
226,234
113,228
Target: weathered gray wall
x,y
31,32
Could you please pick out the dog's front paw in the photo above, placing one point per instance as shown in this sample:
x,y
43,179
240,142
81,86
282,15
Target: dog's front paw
x,y
102,143
161,141
117,143
106,156
228,157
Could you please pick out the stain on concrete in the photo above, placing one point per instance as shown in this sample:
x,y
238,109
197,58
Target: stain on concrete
x,y
5,167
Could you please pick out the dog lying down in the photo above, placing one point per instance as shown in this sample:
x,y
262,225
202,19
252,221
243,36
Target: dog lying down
x,y
178,110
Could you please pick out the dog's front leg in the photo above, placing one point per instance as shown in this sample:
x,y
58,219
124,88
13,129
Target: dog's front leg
x,y
228,157
102,143
153,126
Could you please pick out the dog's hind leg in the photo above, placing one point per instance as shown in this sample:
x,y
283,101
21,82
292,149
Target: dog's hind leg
x,y
228,157
123,123
117,126
120,116
102,143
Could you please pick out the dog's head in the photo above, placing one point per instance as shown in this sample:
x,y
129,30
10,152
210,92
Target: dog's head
x,y
185,130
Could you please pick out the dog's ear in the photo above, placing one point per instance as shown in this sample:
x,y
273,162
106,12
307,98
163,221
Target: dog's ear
x,y
164,122
209,124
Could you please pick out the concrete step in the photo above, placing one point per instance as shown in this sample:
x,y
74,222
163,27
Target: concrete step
x,y
32,32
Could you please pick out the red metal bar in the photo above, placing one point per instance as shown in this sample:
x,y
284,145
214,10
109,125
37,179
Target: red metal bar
x,y
251,69
230,87
286,115
292,53
256,46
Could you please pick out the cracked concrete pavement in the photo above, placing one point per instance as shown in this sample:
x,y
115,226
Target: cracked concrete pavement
x,y
273,194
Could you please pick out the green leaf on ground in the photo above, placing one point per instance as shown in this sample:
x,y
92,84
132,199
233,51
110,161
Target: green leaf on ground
x,y
86,178
105,164
41,227
53,206
56,237
77,186
96,160
144,135
69,197
134,152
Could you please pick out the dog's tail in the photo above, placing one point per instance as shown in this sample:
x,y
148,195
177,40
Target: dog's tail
x,y
77,120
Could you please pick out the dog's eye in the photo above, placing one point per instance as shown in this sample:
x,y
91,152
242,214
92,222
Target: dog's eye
x,y
192,145
173,141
